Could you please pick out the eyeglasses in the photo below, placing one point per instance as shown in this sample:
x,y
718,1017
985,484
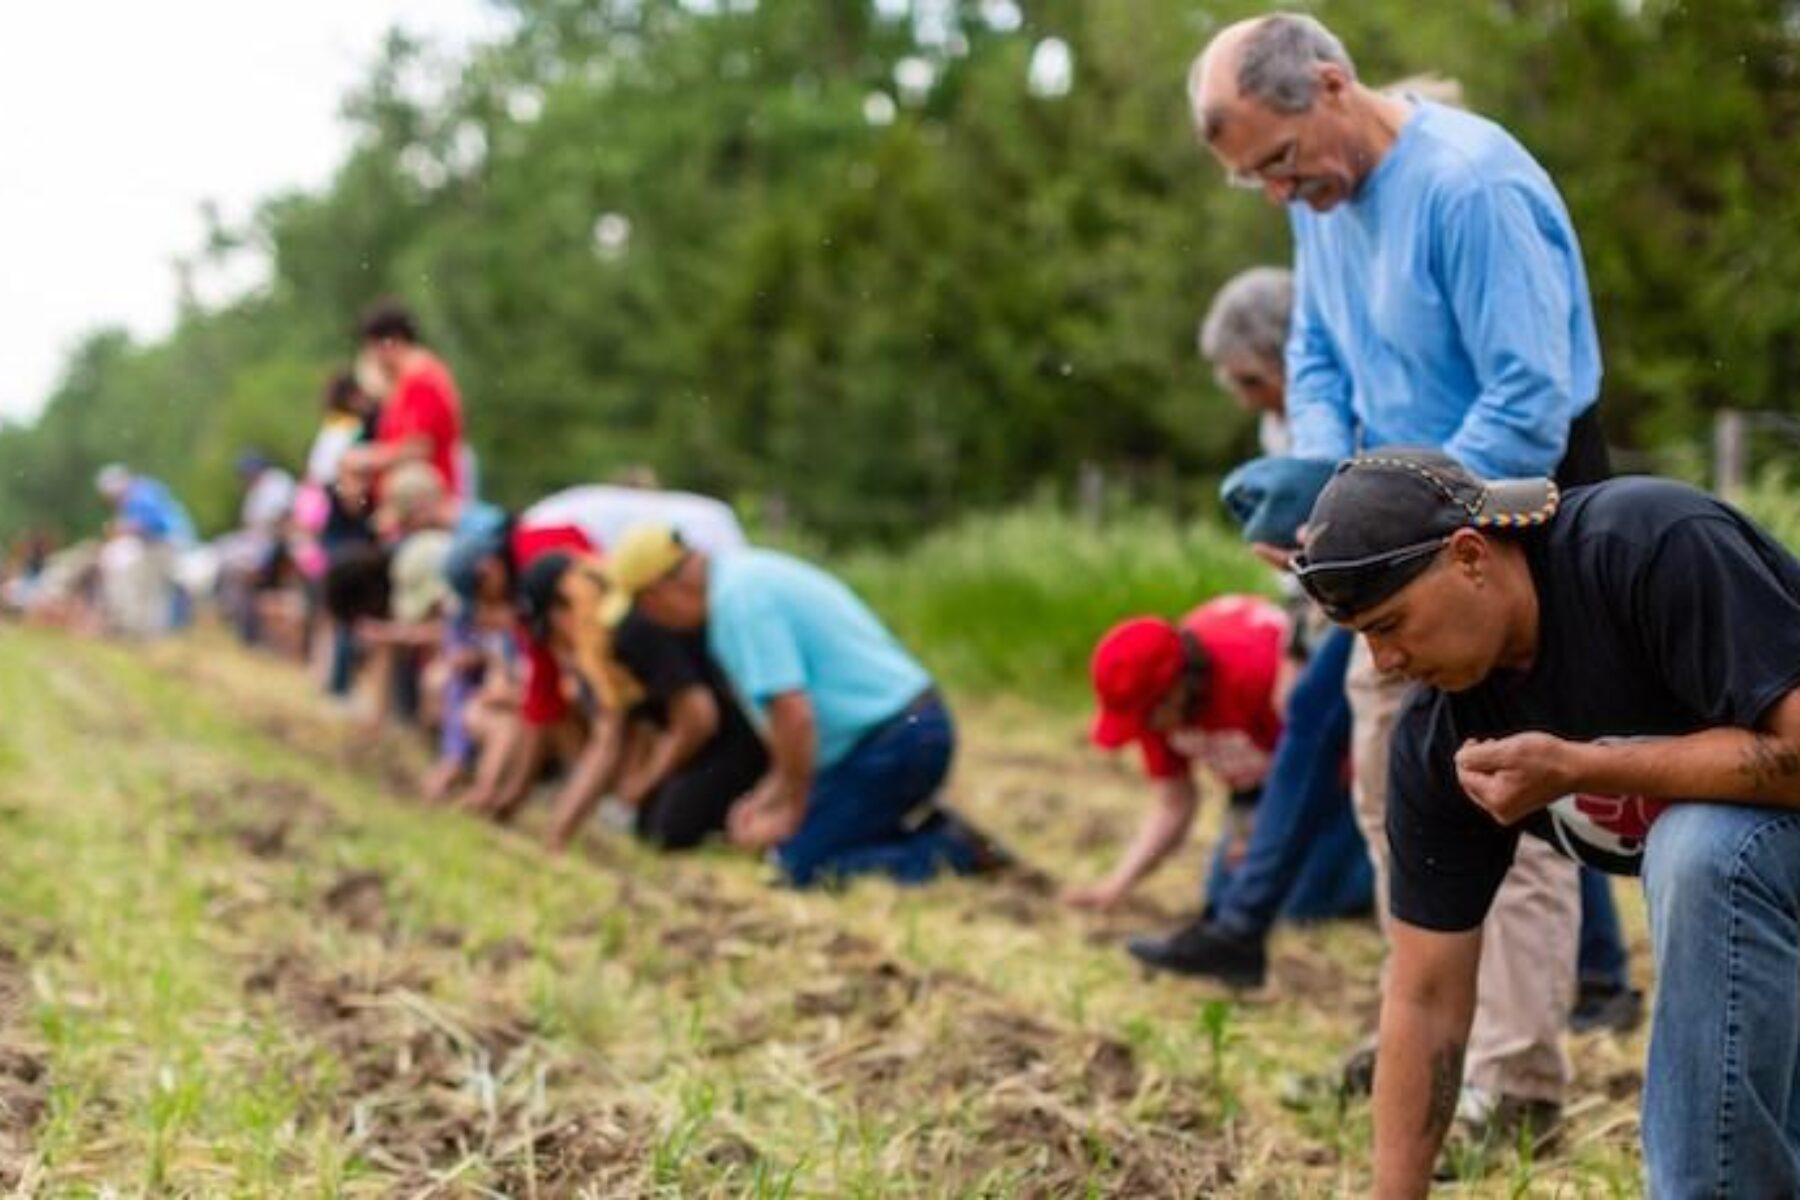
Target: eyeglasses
x,y
1348,586
1276,170
1241,381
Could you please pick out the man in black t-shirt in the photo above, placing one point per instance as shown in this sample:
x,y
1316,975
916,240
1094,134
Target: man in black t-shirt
x,y
1616,671
665,734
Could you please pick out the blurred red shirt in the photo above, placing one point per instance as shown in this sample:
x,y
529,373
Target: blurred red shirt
x,y
544,702
425,403
1235,731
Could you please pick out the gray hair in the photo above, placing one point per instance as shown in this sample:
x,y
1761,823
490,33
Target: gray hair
x,y
1278,60
112,479
1249,316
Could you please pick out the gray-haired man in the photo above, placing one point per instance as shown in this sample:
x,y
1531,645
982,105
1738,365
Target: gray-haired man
x,y
1244,336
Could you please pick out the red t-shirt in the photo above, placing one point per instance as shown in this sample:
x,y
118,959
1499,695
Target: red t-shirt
x,y
424,403
544,702
1235,732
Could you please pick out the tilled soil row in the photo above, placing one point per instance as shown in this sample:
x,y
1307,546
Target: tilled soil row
x,y
426,1093
24,1081
978,1087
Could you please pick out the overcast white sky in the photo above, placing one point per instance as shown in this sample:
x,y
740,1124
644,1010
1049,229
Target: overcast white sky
x,y
119,117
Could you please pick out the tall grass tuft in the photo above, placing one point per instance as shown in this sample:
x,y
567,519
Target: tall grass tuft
x,y
1774,500
1014,602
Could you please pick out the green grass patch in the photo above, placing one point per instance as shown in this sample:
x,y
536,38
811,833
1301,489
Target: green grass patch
x,y
1013,603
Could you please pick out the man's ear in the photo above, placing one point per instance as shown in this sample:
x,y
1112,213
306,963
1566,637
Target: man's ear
x,y
1470,550
1334,83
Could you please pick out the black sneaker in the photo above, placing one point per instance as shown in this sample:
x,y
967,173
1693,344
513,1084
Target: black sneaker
x,y
1204,949
987,856
1356,1074
1605,1006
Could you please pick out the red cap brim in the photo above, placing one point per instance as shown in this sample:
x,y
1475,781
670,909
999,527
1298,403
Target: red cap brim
x,y
1113,729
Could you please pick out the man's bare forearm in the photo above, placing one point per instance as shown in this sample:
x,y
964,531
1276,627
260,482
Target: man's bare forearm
x,y
1164,828
521,769
594,771
793,746
1425,1020
693,720
1717,764
1418,1078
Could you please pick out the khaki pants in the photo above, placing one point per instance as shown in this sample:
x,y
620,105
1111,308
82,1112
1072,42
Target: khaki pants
x,y
135,581
1528,944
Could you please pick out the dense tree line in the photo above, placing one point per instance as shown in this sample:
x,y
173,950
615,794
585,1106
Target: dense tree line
x,y
871,263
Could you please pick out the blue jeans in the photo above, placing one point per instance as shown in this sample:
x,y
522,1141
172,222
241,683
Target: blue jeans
x,y
343,659
1305,859
1602,959
1722,1091
860,812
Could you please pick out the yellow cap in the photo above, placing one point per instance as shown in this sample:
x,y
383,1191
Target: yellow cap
x,y
643,557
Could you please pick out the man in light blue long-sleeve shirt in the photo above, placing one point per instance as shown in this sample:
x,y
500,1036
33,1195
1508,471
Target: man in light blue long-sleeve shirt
x,y
1445,302
1440,300
1440,296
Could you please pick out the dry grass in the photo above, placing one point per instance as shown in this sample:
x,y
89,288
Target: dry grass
x,y
236,962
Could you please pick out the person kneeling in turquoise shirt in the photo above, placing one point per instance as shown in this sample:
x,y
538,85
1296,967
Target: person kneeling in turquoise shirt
x,y
859,740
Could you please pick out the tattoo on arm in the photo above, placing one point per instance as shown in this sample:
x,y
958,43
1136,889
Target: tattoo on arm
x,y
1768,761
1446,1084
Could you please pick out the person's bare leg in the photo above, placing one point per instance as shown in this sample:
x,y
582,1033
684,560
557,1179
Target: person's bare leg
x,y
375,686
494,727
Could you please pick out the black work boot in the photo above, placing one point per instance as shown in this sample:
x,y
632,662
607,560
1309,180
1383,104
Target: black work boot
x,y
1204,949
987,855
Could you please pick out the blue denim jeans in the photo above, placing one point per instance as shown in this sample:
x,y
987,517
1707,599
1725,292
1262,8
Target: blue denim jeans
x,y
1722,1092
1602,959
860,814
1305,859
343,659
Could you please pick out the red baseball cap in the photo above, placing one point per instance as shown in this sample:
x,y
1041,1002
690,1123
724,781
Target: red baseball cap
x,y
1133,668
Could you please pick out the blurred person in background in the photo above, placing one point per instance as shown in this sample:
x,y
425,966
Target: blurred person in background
x,y
395,648
25,562
406,648
149,528
859,740
354,584
666,736
1289,861
251,558
1244,336
1202,692
351,414
332,512
487,567
421,413
67,592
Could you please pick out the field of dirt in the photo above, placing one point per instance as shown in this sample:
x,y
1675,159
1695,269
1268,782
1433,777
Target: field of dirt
x,y
236,958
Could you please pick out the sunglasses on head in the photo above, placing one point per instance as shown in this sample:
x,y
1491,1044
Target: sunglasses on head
x,y
1348,586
